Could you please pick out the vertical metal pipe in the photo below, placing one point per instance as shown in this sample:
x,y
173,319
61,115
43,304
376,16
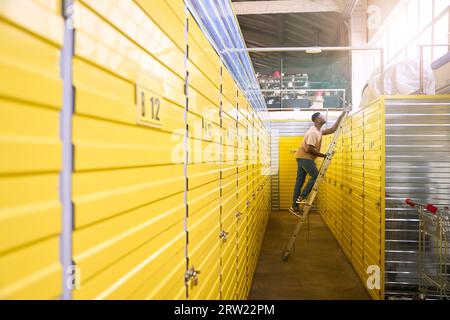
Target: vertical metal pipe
x,y
65,185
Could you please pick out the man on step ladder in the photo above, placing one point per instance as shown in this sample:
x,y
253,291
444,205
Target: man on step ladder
x,y
308,151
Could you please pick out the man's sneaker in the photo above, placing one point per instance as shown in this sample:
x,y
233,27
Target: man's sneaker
x,y
301,201
295,211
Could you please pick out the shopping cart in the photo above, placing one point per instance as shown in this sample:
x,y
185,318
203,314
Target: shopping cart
x,y
434,251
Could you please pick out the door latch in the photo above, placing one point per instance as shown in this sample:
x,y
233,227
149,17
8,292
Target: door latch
x,y
191,274
223,235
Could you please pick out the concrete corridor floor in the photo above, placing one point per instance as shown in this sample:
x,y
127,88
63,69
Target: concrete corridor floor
x,y
316,270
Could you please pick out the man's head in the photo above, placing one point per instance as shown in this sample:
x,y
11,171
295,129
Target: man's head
x,y
317,118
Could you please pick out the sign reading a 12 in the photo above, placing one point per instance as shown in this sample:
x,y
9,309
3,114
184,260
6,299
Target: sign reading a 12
x,y
148,108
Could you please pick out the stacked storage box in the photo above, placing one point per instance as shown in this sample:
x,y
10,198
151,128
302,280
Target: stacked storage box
x,y
351,199
398,144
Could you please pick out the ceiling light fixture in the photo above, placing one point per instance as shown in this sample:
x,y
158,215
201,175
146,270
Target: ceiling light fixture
x,y
314,50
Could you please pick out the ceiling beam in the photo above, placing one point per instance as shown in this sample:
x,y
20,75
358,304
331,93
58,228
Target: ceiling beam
x,y
305,34
286,6
258,20
349,9
342,37
268,40
255,34
280,24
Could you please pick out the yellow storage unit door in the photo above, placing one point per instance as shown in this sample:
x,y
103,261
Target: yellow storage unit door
x,y
31,36
203,196
204,170
346,196
128,184
287,169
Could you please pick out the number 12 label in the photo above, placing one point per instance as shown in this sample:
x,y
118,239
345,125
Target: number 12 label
x,y
148,108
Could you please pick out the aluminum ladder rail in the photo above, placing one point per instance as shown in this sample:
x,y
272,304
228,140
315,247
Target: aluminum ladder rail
x,y
312,196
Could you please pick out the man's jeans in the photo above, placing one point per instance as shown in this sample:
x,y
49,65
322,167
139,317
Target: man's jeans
x,y
304,166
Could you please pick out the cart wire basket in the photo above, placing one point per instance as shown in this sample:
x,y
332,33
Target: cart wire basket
x,y
434,251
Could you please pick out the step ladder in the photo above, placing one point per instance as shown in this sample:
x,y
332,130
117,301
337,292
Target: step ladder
x,y
304,210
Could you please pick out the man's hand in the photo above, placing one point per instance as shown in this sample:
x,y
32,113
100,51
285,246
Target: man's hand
x,y
341,116
335,125
330,154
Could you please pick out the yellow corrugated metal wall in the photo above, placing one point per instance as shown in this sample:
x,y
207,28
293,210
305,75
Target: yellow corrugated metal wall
x,y
31,37
126,188
241,154
288,169
229,201
351,198
143,213
205,189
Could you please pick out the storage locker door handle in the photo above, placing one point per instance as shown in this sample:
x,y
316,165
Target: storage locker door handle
x,y
223,235
192,274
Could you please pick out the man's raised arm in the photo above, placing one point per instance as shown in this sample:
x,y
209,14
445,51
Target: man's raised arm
x,y
335,125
